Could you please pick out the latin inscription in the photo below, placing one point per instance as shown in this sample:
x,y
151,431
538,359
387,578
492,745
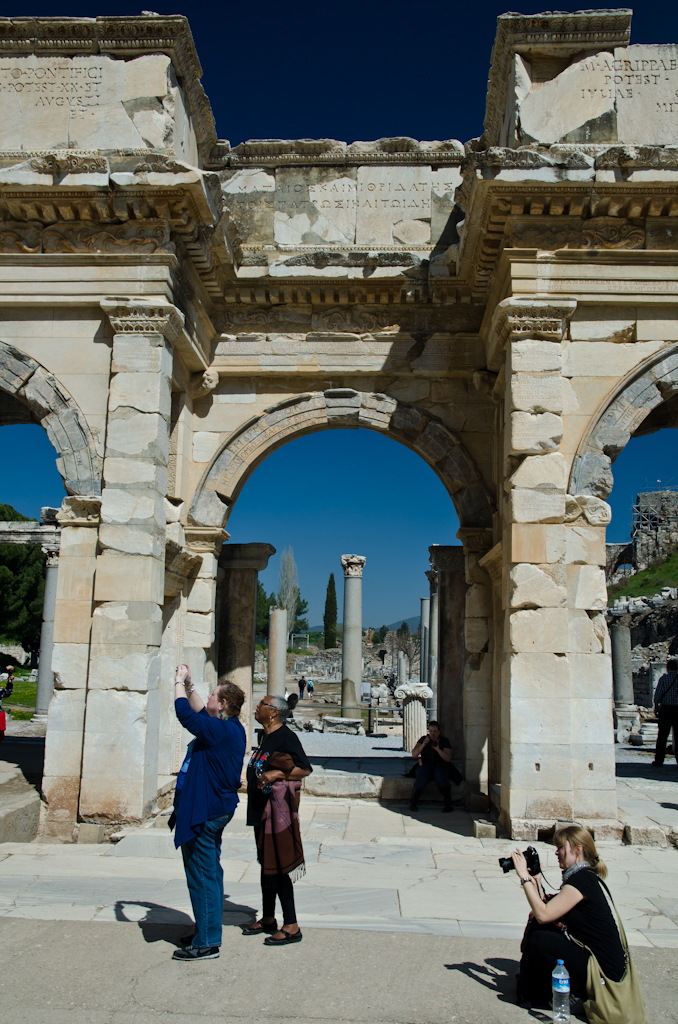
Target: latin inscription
x,y
628,78
54,85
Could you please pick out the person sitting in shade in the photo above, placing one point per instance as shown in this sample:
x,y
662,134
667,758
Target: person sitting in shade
x,y
434,753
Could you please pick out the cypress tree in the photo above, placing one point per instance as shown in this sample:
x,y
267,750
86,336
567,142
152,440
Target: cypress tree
x,y
330,616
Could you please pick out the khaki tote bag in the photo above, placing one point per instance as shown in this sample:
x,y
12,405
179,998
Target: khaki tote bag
x,y
613,1002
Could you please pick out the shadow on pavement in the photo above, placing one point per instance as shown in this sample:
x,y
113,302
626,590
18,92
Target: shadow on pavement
x,y
165,924
28,752
636,770
457,820
499,975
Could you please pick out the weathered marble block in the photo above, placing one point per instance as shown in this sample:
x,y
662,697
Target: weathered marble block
x,y
531,587
535,433
542,630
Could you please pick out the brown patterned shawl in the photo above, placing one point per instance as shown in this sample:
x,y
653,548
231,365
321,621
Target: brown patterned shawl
x,y
279,841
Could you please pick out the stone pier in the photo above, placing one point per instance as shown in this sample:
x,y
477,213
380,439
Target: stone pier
x,y
352,641
236,628
45,687
424,627
434,622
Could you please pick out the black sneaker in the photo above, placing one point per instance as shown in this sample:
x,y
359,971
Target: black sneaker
x,y
208,953
187,940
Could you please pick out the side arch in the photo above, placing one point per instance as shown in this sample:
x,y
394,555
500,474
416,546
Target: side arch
x,y
51,406
651,385
340,408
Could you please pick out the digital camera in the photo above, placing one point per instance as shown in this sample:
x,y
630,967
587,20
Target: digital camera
x,y
530,855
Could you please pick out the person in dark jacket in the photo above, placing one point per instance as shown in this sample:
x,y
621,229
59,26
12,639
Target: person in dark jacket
x,y
6,690
206,798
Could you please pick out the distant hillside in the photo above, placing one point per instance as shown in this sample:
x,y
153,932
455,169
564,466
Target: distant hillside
x,y
413,624
648,581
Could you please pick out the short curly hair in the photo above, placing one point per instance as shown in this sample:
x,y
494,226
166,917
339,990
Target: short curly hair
x,y
232,694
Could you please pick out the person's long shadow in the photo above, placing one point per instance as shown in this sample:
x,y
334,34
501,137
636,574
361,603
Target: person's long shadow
x,y
165,924
497,974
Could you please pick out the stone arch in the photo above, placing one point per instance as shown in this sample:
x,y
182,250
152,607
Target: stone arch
x,y
338,408
49,404
650,386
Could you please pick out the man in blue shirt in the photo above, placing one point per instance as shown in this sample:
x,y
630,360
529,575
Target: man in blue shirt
x,y
205,802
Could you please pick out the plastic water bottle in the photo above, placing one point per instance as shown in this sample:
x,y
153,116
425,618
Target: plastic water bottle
x,y
560,987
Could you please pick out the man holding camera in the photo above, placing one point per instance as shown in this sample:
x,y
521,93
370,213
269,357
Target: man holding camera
x,y
434,753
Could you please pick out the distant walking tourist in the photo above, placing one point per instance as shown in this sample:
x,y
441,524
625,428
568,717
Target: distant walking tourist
x,y
302,687
5,691
572,926
666,709
309,688
274,777
434,753
206,798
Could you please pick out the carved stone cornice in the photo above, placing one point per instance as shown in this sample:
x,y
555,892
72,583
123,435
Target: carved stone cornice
x,y
47,535
284,152
79,510
129,316
86,237
353,565
516,318
564,34
125,37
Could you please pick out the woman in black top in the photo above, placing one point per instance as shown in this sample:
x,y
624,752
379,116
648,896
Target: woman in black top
x,y
274,776
580,909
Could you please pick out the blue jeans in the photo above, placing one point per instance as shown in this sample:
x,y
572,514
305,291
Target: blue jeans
x,y
205,880
426,772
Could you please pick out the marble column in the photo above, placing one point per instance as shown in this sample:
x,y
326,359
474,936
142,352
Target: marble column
x,y
402,668
414,697
45,674
626,715
236,629
352,640
432,675
277,651
423,638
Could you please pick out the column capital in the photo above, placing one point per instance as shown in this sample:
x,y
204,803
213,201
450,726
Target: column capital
x,y
245,556
205,539
447,557
79,510
138,316
432,577
517,317
353,565
477,540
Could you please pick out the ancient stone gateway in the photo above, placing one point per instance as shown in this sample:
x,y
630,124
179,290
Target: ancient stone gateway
x,y
173,309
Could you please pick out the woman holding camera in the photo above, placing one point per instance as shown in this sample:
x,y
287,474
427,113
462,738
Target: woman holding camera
x,y
206,798
274,776
580,910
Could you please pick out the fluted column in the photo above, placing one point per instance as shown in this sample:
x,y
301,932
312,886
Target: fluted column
x,y
352,640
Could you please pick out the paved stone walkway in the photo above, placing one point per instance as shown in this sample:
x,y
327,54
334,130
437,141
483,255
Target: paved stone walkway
x,y
370,867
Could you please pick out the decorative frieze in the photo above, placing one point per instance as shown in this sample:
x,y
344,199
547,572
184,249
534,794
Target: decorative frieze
x,y
129,316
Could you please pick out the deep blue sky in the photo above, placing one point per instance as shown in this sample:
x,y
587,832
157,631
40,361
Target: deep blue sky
x,y
360,71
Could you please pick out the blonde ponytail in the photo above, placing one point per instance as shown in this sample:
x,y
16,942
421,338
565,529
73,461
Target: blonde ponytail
x,y
577,835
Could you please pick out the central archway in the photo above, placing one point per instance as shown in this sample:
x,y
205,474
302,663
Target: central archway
x,y
341,408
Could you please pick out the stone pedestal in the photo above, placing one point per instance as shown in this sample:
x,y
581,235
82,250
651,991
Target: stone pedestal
x,y
277,651
424,622
241,564
45,674
414,697
352,641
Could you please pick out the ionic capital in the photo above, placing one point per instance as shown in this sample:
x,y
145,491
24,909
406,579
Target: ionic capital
x,y
135,316
353,565
432,577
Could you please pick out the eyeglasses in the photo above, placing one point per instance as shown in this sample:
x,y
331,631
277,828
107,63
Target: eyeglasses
x,y
263,704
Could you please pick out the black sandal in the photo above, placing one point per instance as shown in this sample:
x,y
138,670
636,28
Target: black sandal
x,y
259,927
272,941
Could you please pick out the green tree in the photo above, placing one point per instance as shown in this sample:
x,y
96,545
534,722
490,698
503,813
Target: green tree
x,y
330,616
300,621
22,587
264,604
